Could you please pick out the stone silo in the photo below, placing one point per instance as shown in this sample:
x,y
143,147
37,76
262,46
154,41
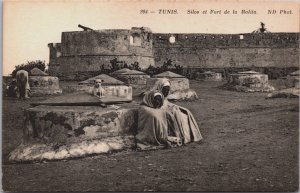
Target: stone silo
x,y
42,84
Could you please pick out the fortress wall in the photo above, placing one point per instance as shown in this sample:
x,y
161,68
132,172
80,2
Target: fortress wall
x,y
219,51
227,40
70,65
85,51
95,43
229,57
106,42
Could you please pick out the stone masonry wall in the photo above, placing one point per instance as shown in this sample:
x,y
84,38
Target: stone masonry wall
x,y
83,51
225,50
87,51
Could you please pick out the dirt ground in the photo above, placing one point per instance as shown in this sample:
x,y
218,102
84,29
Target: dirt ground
x,y
250,144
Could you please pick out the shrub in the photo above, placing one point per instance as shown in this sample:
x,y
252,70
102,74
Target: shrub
x,y
29,66
135,66
116,64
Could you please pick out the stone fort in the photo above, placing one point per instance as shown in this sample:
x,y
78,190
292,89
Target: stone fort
x,y
90,50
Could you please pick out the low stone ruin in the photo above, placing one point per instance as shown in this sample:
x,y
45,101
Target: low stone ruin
x,y
61,132
209,76
289,87
79,123
249,81
133,78
180,86
42,84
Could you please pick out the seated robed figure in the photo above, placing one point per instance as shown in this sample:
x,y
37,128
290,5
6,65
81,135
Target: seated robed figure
x,y
163,123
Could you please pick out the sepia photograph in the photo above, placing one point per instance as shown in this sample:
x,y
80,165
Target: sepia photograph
x,y
150,96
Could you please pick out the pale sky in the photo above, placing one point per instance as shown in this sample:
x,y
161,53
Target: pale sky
x,y
28,26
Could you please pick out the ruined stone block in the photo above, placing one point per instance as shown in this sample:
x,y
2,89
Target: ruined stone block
x,y
113,88
67,124
44,85
180,86
285,93
131,77
177,84
60,132
249,81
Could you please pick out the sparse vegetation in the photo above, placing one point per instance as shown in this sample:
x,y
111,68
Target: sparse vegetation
x,y
151,70
29,66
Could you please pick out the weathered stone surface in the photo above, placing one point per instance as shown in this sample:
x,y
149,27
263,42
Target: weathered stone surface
x,y
113,88
285,93
128,72
59,132
180,87
209,76
228,50
187,94
39,151
114,91
108,80
67,124
81,51
80,99
131,77
168,74
37,72
290,86
44,85
177,84
249,81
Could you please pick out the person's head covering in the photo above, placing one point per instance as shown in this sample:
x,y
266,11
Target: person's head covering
x,y
149,98
161,83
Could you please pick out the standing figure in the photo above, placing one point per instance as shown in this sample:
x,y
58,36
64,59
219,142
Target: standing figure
x,y
22,84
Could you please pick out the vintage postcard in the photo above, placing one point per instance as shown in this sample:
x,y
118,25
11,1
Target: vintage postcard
x,y
137,95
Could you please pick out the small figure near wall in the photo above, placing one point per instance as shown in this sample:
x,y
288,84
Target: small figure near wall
x,y
98,91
